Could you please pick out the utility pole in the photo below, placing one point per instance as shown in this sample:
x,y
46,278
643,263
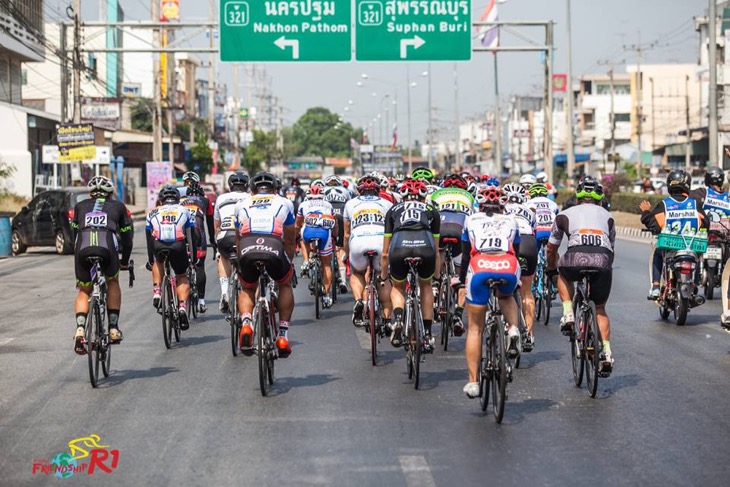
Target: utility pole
x,y
64,74
653,116
497,157
639,108
570,165
430,120
410,143
613,123
548,117
157,94
236,112
712,101
77,61
457,152
171,99
688,146
211,73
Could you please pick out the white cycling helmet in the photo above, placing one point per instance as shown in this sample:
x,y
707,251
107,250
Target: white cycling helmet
x,y
541,177
528,180
333,181
100,184
515,193
191,176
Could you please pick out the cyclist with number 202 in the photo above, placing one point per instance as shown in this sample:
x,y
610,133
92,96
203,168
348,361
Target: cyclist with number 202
x,y
490,242
97,223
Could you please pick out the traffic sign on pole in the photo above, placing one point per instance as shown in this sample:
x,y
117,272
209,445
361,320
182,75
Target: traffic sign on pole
x,y
395,30
288,31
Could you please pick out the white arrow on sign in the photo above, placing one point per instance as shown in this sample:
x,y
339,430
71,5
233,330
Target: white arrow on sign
x,y
416,42
283,43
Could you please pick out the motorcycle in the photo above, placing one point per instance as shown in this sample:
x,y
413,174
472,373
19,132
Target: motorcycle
x,y
713,261
678,292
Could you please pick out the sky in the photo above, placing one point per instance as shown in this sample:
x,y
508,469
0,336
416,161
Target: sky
x,y
602,32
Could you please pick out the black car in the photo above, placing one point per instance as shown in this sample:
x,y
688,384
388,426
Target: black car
x,y
45,221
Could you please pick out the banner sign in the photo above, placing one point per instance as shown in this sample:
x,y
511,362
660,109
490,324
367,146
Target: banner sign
x,y
158,174
75,142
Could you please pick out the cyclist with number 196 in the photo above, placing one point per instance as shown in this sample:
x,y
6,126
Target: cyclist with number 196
x,y
491,241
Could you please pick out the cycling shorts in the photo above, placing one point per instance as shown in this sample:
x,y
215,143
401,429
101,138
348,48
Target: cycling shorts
x,y
485,267
109,264
412,243
581,258
227,244
324,236
358,247
542,234
266,249
340,237
528,251
178,255
452,226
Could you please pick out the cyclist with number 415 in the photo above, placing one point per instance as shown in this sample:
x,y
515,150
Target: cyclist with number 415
x,y
97,224
591,236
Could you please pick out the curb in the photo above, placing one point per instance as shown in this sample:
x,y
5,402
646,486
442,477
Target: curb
x,y
635,234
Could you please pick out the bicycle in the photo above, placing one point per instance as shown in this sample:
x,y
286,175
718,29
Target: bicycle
x,y
169,303
522,325
335,276
495,370
542,287
315,277
192,274
372,307
98,345
413,321
447,294
265,330
586,345
234,286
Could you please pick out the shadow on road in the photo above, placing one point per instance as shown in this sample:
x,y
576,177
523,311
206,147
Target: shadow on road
x,y
431,380
530,360
608,387
191,341
119,376
285,384
516,412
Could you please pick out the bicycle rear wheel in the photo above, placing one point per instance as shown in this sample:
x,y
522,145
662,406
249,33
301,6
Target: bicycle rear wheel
x,y
417,343
233,318
521,325
547,298
317,290
448,311
193,296
106,355
372,323
92,341
499,384
485,372
261,332
592,348
270,355
167,305
335,278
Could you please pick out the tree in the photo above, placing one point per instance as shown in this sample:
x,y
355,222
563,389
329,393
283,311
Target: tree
x,y
201,156
319,132
142,116
5,172
262,150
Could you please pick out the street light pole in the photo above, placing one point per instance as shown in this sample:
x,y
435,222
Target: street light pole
x,y
497,157
410,143
712,64
430,120
571,149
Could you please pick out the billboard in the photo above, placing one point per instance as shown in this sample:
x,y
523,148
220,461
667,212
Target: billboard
x,y
75,142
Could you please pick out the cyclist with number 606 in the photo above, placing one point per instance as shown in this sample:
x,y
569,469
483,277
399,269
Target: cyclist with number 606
x,y
490,242
100,225
591,235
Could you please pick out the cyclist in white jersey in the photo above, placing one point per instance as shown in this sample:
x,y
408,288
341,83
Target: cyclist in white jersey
x,y
337,195
545,211
224,223
364,231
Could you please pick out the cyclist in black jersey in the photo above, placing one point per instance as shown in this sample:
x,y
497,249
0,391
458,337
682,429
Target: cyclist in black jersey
x,y
294,193
411,230
196,201
100,225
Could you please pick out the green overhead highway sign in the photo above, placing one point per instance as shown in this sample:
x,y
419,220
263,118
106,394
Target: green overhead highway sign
x,y
399,30
296,30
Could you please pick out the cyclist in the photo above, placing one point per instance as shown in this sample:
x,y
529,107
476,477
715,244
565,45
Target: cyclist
x,y
337,195
490,242
201,207
97,223
386,193
411,230
527,180
590,231
422,173
680,213
542,178
526,220
265,234
364,227
224,221
294,193
454,204
545,210
168,227
315,219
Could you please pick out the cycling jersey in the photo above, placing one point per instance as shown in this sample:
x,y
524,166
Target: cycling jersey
x,y
264,214
168,223
453,200
225,211
681,216
295,194
494,234
366,217
545,212
715,204
526,218
412,215
337,196
319,221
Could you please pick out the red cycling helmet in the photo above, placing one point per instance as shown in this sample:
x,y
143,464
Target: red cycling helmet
x,y
368,184
491,196
346,183
315,190
484,178
454,181
413,188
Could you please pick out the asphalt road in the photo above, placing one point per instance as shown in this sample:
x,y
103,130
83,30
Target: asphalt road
x,y
194,415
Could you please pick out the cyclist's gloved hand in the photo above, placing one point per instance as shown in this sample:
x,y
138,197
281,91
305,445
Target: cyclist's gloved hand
x,y
148,266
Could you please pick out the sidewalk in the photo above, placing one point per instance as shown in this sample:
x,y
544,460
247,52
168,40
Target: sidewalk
x,y
628,225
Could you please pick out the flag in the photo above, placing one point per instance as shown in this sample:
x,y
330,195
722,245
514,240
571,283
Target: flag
x,y
365,139
395,137
353,144
560,82
490,35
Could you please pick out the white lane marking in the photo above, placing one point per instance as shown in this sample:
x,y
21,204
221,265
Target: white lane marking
x,y
416,470
363,338
5,341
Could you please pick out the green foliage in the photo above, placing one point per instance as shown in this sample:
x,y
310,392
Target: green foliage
x,y
262,150
6,171
201,156
630,170
319,132
142,116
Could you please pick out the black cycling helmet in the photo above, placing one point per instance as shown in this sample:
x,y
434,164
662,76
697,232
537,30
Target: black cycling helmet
x,y
169,195
678,181
262,180
195,189
714,176
238,181
295,182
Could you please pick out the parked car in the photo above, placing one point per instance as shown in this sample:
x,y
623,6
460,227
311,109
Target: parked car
x,y
45,221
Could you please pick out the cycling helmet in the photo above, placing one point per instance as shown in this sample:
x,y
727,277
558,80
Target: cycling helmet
x,y
491,197
333,181
541,177
345,183
384,183
484,178
295,182
190,177
399,178
263,179
472,188
413,188
278,184
100,185
315,192
678,181
368,184
527,180
589,187
538,189
493,182
515,193
454,181
195,189
238,181
422,173
714,176
316,182
169,195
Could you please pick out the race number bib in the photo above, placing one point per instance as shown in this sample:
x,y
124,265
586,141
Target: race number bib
x,y
228,223
586,237
545,218
167,233
96,219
